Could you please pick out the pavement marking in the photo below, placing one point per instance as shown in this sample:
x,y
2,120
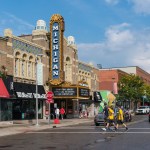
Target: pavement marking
x,y
125,132
93,128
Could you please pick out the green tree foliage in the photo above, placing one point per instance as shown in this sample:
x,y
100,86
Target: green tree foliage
x,y
146,92
131,87
2,75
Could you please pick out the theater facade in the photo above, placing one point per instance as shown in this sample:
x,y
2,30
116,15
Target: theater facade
x,y
57,69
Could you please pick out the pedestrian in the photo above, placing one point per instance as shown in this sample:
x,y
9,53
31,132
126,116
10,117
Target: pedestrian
x,y
80,112
62,112
120,118
57,112
105,112
110,118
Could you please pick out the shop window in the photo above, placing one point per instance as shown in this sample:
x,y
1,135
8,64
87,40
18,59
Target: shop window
x,y
6,110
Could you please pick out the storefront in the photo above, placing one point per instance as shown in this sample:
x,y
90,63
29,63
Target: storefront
x,y
69,97
5,103
24,105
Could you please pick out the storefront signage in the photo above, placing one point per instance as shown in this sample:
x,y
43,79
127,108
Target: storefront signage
x,y
83,83
65,91
24,95
30,95
56,49
84,92
97,96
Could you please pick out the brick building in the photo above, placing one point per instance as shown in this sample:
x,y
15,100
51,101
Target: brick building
x,y
24,65
108,77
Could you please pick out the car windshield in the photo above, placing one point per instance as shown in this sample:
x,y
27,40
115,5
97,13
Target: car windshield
x,y
142,107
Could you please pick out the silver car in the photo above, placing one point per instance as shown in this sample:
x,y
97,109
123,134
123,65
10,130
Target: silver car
x,y
99,119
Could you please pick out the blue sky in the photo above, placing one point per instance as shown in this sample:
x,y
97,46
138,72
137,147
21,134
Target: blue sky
x,y
113,33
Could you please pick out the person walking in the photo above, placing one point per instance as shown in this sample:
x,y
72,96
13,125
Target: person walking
x,y
110,118
105,112
57,113
62,112
120,118
80,112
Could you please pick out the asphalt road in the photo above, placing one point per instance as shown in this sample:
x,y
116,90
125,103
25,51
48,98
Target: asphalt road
x,y
82,137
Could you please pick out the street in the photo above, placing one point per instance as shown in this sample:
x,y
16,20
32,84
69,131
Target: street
x,y
82,137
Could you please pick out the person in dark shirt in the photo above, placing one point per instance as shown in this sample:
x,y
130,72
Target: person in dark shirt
x,y
105,111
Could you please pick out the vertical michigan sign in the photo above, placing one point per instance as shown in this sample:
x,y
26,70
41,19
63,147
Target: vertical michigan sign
x,y
56,49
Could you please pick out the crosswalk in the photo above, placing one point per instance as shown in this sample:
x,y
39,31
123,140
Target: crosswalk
x,y
92,130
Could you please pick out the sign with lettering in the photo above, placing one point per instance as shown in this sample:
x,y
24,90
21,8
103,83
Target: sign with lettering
x,y
30,95
56,49
65,91
84,92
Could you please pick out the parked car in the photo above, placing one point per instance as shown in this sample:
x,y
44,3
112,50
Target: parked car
x,y
142,110
99,119
149,117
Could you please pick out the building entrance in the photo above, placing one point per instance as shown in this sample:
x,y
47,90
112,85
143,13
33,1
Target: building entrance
x,y
26,109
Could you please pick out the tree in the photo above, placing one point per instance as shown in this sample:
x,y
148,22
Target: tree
x,y
130,88
146,92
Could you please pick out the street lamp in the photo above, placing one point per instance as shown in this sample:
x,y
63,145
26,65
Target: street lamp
x,y
37,121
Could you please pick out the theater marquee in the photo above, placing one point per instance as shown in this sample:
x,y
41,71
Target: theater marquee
x,y
56,49
71,92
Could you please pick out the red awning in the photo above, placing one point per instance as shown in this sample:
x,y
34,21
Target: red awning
x,y
3,91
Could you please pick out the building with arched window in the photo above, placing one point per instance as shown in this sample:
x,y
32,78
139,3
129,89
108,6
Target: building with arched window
x,y
26,66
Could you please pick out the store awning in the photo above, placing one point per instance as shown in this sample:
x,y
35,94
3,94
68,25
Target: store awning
x,y
3,91
28,91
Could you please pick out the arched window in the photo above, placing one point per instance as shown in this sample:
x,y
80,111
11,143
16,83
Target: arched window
x,y
30,67
17,64
68,69
24,65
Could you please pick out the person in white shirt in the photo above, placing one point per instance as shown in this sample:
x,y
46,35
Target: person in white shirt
x,y
57,113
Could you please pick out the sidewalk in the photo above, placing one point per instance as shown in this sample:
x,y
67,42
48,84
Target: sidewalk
x,y
23,126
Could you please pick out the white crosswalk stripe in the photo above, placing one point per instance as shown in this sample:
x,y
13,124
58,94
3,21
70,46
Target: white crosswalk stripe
x,y
88,132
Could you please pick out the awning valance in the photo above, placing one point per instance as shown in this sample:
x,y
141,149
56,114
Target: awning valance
x,y
24,90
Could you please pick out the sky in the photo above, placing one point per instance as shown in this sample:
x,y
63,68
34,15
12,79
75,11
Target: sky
x,y
113,33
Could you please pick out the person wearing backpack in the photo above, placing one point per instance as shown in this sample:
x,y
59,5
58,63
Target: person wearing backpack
x,y
110,119
105,112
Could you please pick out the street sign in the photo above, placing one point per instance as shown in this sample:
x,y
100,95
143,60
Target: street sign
x,y
49,95
49,101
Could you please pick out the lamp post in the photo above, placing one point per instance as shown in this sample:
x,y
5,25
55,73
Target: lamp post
x,y
37,120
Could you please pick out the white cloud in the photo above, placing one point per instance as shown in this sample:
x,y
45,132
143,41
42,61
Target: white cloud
x,y
141,6
117,36
16,24
122,47
19,20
